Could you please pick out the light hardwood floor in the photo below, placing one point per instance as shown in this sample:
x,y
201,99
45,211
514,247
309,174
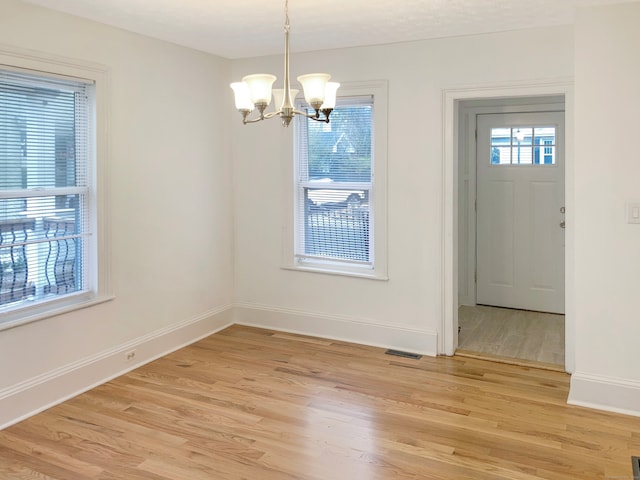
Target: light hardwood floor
x,y
254,404
515,334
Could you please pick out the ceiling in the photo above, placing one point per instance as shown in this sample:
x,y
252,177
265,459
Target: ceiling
x,y
248,28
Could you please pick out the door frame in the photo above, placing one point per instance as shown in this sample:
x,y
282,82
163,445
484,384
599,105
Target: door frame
x,y
452,100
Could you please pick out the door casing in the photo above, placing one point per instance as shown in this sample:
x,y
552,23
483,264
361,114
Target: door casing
x,y
457,102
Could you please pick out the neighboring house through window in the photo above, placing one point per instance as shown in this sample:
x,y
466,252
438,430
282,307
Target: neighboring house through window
x,y
523,145
340,187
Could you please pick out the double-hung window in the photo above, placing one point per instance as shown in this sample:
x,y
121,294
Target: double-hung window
x,y
340,171
47,198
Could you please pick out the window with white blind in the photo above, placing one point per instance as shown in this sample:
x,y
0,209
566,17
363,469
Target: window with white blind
x,y
47,201
339,187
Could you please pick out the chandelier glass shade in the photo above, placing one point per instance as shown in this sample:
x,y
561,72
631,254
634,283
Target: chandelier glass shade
x,y
254,92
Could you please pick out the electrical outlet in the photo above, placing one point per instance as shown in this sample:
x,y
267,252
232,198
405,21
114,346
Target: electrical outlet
x,y
130,355
633,212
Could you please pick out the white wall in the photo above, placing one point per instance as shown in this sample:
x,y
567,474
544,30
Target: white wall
x,y
170,204
406,311
607,175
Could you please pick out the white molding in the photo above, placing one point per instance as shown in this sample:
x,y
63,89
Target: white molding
x,y
43,62
450,99
605,393
36,394
338,327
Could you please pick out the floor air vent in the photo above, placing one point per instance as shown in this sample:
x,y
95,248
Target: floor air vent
x,y
400,353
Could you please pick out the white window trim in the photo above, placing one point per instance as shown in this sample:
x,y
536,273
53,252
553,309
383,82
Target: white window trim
x,y
379,90
38,63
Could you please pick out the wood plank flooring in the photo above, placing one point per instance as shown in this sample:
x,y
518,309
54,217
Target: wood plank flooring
x,y
255,404
517,334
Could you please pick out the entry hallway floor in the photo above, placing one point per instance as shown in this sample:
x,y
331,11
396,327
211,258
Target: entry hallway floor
x,y
517,334
255,404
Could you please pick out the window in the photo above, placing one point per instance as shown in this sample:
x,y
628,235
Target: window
x,y
47,196
340,167
523,146
549,150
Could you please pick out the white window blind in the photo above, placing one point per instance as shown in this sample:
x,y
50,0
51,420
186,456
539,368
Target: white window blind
x,y
44,190
334,191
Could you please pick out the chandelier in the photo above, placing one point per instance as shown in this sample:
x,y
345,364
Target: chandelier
x,y
254,91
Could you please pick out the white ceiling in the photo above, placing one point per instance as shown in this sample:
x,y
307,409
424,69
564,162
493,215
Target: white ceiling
x,y
247,28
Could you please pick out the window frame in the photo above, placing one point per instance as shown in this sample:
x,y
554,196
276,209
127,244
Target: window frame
x,y
377,195
98,257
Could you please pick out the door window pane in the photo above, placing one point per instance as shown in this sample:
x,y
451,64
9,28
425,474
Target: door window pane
x,y
523,145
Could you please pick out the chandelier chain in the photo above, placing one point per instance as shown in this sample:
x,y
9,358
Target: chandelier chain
x,y
286,15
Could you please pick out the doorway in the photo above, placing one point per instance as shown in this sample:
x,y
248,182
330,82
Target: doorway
x,y
511,228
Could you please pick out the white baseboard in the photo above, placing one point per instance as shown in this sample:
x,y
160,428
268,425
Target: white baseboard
x,y
344,328
44,391
39,393
605,393
34,395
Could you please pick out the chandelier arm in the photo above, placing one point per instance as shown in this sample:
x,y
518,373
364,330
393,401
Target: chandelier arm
x,y
252,120
316,116
319,119
272,114
305,114
266,116
327,112
288,114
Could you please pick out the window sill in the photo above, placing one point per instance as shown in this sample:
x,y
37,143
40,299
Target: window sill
x,y
17,318
369,274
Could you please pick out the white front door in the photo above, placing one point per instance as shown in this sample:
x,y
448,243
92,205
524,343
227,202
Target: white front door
x,y
520,211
